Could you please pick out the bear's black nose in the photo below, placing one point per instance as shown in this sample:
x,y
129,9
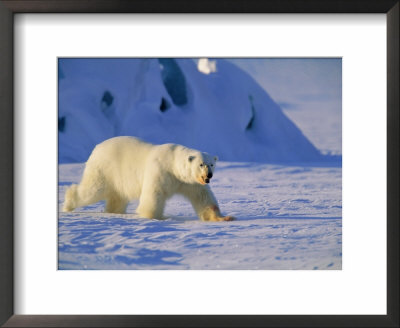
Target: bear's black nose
x,y
209,175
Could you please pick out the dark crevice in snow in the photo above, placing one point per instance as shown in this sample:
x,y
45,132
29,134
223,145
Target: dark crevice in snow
x,y
164,105
107,105
253,114
107,99
174,81
61,124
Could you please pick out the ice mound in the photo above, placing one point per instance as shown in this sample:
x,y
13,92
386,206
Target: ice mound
x,y
223,112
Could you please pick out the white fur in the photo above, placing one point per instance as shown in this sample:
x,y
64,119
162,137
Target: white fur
x,y
121,169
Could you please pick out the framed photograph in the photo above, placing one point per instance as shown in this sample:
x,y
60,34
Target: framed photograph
x,y
162,163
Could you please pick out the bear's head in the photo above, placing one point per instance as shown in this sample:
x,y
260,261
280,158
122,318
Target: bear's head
x,y
202,167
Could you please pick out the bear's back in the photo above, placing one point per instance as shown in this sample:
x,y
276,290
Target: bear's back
x,y
115,149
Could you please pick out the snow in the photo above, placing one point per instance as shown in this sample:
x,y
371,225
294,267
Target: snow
x,y
309,91
288,217
285,193
206,66
168,100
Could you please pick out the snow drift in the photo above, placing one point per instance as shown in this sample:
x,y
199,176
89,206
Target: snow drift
x,y
221,110
288,218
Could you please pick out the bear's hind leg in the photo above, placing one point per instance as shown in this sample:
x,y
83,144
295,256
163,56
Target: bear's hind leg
x,y
116,204
70,199
78,196
89,191
87,196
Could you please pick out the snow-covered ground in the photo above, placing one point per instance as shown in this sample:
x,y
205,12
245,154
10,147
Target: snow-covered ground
x,y
309,91
255,114
288,217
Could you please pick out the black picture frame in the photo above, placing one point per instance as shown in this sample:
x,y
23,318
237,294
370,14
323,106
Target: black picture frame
x,y
10,7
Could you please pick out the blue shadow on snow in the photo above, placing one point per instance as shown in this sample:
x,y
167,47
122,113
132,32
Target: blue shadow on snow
x,y
151,257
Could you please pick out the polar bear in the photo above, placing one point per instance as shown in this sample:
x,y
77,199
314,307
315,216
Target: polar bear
x,y
121,169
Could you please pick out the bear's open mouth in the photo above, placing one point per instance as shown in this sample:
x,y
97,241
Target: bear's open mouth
x,y
204,180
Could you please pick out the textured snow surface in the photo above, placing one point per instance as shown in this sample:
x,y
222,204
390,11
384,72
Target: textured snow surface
x,y
288,217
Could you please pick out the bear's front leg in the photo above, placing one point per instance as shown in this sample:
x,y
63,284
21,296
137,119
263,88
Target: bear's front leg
x,y
151,205
152,197
204,203
212,213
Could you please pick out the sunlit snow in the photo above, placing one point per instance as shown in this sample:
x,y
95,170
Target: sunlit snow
x,y
283,190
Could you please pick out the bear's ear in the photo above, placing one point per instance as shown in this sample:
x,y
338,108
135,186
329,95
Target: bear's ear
x,y
191,158
215,158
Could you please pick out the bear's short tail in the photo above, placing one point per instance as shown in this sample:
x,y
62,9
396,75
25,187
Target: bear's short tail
x,y
70,198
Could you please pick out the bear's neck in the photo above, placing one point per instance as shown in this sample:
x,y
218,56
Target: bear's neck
x,y
182,166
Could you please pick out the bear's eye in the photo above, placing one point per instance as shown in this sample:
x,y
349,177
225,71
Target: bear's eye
x,y
201,165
